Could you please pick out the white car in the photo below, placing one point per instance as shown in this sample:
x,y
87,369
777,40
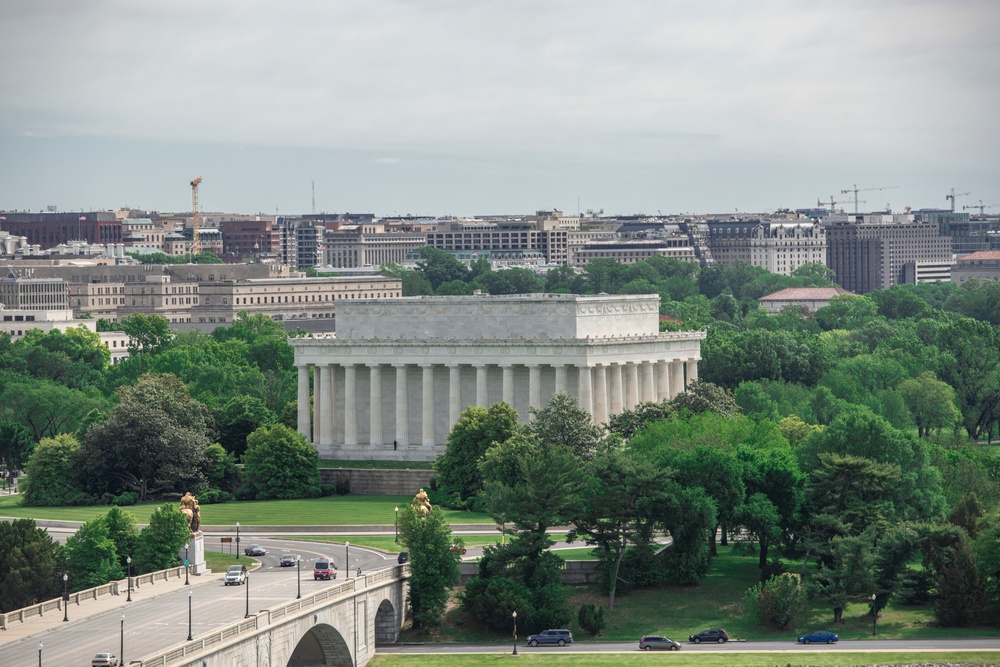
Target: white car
x,y
104,660
236,575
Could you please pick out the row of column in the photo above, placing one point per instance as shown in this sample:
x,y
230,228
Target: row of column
x,y
602,390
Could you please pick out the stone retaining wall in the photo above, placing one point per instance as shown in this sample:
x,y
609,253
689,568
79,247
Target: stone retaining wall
x,y
574,572
374,482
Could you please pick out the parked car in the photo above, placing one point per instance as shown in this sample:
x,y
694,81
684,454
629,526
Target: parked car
x,y
236,575
557,637
658,642
255,550
324,568
404,557
819,637
103,660
458,549
712,635
288,560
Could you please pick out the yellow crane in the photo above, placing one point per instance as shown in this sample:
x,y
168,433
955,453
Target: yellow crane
x,y
195,217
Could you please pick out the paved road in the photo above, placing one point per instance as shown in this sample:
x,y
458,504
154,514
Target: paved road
x,y
158,615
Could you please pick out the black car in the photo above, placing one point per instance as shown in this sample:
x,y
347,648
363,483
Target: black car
x,y
287,560
658,642
404,557
712,635
255,550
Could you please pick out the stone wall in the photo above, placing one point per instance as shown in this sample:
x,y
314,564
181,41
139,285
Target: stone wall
x,y
368,482
575,571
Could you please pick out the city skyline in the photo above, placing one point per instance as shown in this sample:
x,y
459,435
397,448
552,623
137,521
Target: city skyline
x,y
403,108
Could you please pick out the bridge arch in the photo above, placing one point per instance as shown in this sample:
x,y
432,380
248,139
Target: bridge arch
x,y
387,623
321,646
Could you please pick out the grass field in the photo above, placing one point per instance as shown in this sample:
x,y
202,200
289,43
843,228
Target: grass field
x,y
331,511
378,465
220,562
388,543
681,659
679,611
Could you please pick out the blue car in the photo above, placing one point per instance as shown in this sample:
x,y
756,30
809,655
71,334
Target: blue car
x,y
819,637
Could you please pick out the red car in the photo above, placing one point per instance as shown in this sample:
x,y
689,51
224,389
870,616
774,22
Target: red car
x,y
458,549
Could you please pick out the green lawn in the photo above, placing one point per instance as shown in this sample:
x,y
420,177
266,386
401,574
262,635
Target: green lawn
x,y
679,611
579,553
330,511
220,562
682,659
388,543
378,465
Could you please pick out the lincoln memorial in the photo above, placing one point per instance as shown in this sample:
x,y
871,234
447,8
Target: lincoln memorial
x,y
398,373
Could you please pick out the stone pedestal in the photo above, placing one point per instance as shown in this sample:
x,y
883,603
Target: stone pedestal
x,y
196,551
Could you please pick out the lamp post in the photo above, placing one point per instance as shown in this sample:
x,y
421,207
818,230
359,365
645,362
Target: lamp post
x,y
39,654
189,614
187,566
397,525
298,576
247,584
874,618
237,540
347,558
65,597
514,616
121,645
129,562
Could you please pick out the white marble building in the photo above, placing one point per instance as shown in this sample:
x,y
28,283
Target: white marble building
x,y
421,361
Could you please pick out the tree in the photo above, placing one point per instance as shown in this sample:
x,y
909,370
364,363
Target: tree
x,y
795,430
147,333
433,564
122,531
440,267
279,463
627,422
960,590
31,565
477,429
563,422
973,370
759,517
702,396
51,473
153,440
239,417
846,311
779,602
16,446
91,556
846,572
220,469
47,408
161,540
967,513
978,299
930,401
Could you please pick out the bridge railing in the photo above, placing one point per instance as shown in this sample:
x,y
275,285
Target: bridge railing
x,y
40,610
266,617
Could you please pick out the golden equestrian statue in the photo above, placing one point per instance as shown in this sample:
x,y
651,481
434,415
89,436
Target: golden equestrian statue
x,y
191,512
422,502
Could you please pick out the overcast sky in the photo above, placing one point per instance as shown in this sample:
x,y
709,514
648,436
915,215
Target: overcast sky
x,y
468,107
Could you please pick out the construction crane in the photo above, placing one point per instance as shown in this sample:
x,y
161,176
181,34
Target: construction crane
x,y
195,217
982,207
856,190
833,203
952,195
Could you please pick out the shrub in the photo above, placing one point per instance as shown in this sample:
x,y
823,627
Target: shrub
x,y
246,492
342,486
82,499
314,491
327,489
778,602
591,619
125,499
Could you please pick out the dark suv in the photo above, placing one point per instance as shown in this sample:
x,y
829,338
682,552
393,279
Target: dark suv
x,y
654,642
713,635
557,637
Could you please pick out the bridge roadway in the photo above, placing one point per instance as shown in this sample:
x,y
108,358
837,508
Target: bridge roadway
x,y
157,617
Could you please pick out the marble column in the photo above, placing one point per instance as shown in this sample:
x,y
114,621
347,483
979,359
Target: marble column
x,y
631,385
481,386
534,389
676,378
648,383
326,407
585,393
662,380
616,389
375,405
350,405
317,405
428,416
601,395
692,372
508,384
454,394
303,403
402,408
560,379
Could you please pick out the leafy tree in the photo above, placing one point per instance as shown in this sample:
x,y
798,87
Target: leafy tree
x,y
220,469
51,474
47,408
492,601
123,532
690,520
702,396
153,440
795,430
238,418
760,518
433,564
978,299
75,357
477,429
897,303
960,590
31,565
147,333
854,491
973,370
16,446
627,422
846,572
591,619
846,311
563,422
91,556
967,514
930,401
987,550
161,540
778,602
440,267
279,463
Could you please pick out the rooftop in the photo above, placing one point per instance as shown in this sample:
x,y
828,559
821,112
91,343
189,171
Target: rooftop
x,y
805,294
981,255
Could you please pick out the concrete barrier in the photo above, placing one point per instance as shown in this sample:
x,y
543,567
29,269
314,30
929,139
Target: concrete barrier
x,y
379,482
574,571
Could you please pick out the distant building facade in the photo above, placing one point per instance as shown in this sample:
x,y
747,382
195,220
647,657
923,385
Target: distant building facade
x,y
368,244
51,229
809,298
780,246
983,265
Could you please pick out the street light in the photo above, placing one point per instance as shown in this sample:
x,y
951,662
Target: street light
x,y
397,525
874,617
129,561
514,616
189,614
187,565
39,654
121,646
247,584
298,577
237,540
65,597
347,558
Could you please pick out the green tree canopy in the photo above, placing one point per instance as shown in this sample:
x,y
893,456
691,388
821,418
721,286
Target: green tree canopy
x,y
433,564
16,445
476,430
279,463
31,565
52,475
